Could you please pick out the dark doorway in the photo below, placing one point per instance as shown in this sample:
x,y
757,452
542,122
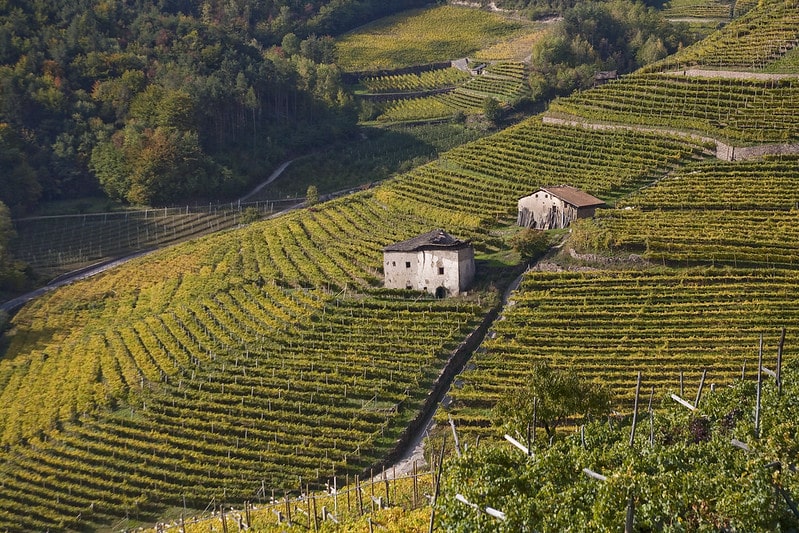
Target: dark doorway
x,y
441,292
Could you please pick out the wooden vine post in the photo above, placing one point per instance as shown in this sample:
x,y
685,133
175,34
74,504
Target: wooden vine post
x,y
635,410
759,387
779,362
437,486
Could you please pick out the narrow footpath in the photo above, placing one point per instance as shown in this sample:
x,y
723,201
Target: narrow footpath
x,y
413,452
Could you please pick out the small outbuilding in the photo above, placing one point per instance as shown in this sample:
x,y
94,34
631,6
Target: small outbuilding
x,y
556,207
435,262
604,76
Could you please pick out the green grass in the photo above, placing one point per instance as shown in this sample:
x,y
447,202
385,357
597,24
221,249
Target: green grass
x,y
423,36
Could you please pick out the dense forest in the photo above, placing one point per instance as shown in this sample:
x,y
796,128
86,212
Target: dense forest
x,y
165,102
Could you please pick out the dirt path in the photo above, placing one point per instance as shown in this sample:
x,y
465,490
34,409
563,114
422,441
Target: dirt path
x,y
415,453
272,177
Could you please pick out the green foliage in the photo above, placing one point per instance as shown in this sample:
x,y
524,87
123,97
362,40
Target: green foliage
x,y
311,195
492,111
19,188
13,275
689,479
552,396
530,243
698,215
199,70
662,322
762,33
753,111
618,35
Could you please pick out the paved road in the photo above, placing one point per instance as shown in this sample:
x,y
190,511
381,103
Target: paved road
x,y
87,272
12,305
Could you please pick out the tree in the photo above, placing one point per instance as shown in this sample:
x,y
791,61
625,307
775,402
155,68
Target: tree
x,y
19,188
13,276
492,110
554,395
311,196
530,243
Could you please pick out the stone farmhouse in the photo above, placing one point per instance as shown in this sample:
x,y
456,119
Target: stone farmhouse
x,y
435,262
556,207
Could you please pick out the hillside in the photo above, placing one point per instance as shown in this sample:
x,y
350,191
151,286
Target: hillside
x,y
269,358
154,104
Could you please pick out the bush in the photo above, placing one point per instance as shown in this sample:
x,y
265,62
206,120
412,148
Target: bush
x,y
530,243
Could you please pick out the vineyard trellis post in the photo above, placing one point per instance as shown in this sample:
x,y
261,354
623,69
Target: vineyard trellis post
x,y
779,362
759,387
630,518
455,437
437,485
635,410
651,418
701,386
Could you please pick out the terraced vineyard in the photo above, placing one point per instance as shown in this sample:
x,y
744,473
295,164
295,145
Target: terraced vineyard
x,y
415,37
609,325
740,213
177,357
267,357
719,9
741,110
506,82
424,81
252,387
752,41
84,239
490,174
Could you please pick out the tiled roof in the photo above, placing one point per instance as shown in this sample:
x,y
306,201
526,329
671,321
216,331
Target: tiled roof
x,y
572,195
436,239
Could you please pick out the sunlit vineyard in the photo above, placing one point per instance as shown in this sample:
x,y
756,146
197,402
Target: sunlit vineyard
x,y
505,82
53,245
424,81
254,386
698,9
517,49
737,109
752,41
607,325
740,213
189,348
415,37
495,171
268,357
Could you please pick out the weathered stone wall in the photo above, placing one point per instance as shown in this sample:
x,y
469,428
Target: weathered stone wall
x,y
727,152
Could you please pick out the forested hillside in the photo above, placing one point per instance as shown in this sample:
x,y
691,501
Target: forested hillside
x,y
183,99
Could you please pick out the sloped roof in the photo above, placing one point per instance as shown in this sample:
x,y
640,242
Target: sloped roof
x,y
573,195
437,239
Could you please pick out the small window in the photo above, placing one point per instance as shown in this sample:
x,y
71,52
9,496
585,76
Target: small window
x,y
409,286
393,263
440,271
407,264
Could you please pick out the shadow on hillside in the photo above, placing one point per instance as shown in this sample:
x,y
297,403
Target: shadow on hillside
x,y
374,155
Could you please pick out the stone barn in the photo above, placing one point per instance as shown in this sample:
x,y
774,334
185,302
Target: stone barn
x,y
556,207
435,262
